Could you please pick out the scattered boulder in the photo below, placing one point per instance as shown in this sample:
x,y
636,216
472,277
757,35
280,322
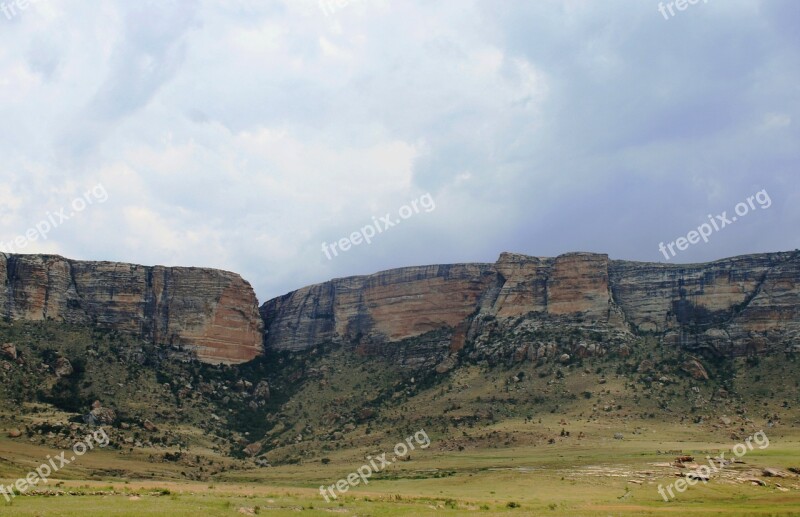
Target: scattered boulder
x,y
9,351
448,364
14,433
100,416
618,436
564,359
645,366
62,367
262,390
695,369
253,449
769,472
546,351
149,426
595,350
366,413
520,354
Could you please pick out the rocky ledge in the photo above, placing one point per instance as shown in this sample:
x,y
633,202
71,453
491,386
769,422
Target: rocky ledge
x,y
209,312
428,314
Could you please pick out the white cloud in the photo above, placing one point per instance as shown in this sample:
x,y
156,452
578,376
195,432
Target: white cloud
x,y
241,135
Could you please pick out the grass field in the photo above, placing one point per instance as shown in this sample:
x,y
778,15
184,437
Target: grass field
x,y
593,438
590,477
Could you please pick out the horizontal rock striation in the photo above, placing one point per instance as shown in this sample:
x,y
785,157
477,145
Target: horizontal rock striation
x,y
427,314
428,302
210,312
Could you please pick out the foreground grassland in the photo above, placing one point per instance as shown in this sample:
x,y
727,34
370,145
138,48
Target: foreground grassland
x,y
595,437
590,477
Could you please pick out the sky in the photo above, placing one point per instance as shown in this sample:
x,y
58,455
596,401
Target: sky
x,y
272,137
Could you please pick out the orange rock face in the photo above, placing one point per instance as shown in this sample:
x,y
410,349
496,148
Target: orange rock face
x,y
736,305
214,313
376,309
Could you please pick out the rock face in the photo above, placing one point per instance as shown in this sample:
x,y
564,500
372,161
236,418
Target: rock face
x,y
213,313
430,303
427,314
519,308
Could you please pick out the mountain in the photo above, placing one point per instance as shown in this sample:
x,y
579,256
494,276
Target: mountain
x,y
429,314
211,313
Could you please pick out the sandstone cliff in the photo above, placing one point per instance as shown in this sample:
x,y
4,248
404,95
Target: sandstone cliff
x,y
427,314
214,313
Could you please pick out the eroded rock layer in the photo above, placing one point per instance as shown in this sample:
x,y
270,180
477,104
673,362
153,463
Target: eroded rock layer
x,y
213,313
426,314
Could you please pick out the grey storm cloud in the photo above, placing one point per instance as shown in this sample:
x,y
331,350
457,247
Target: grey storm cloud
x,y
243,135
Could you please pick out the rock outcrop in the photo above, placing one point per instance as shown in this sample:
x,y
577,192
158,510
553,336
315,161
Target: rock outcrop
x,y
430,303
519,308
210,312
427,314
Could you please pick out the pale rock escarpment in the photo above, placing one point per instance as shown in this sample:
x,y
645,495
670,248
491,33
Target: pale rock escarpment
x,y
213,313
427,314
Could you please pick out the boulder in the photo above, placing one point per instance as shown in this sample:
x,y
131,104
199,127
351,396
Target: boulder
x,y
9,351
253,449
100,416
262,390
645,366
520,354
695,369
366,413
770,472
448,364
14,433
62,367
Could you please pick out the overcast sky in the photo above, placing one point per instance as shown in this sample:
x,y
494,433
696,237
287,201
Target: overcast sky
x,y
244,134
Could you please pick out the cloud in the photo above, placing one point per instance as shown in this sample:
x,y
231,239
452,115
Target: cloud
x,y
243,135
